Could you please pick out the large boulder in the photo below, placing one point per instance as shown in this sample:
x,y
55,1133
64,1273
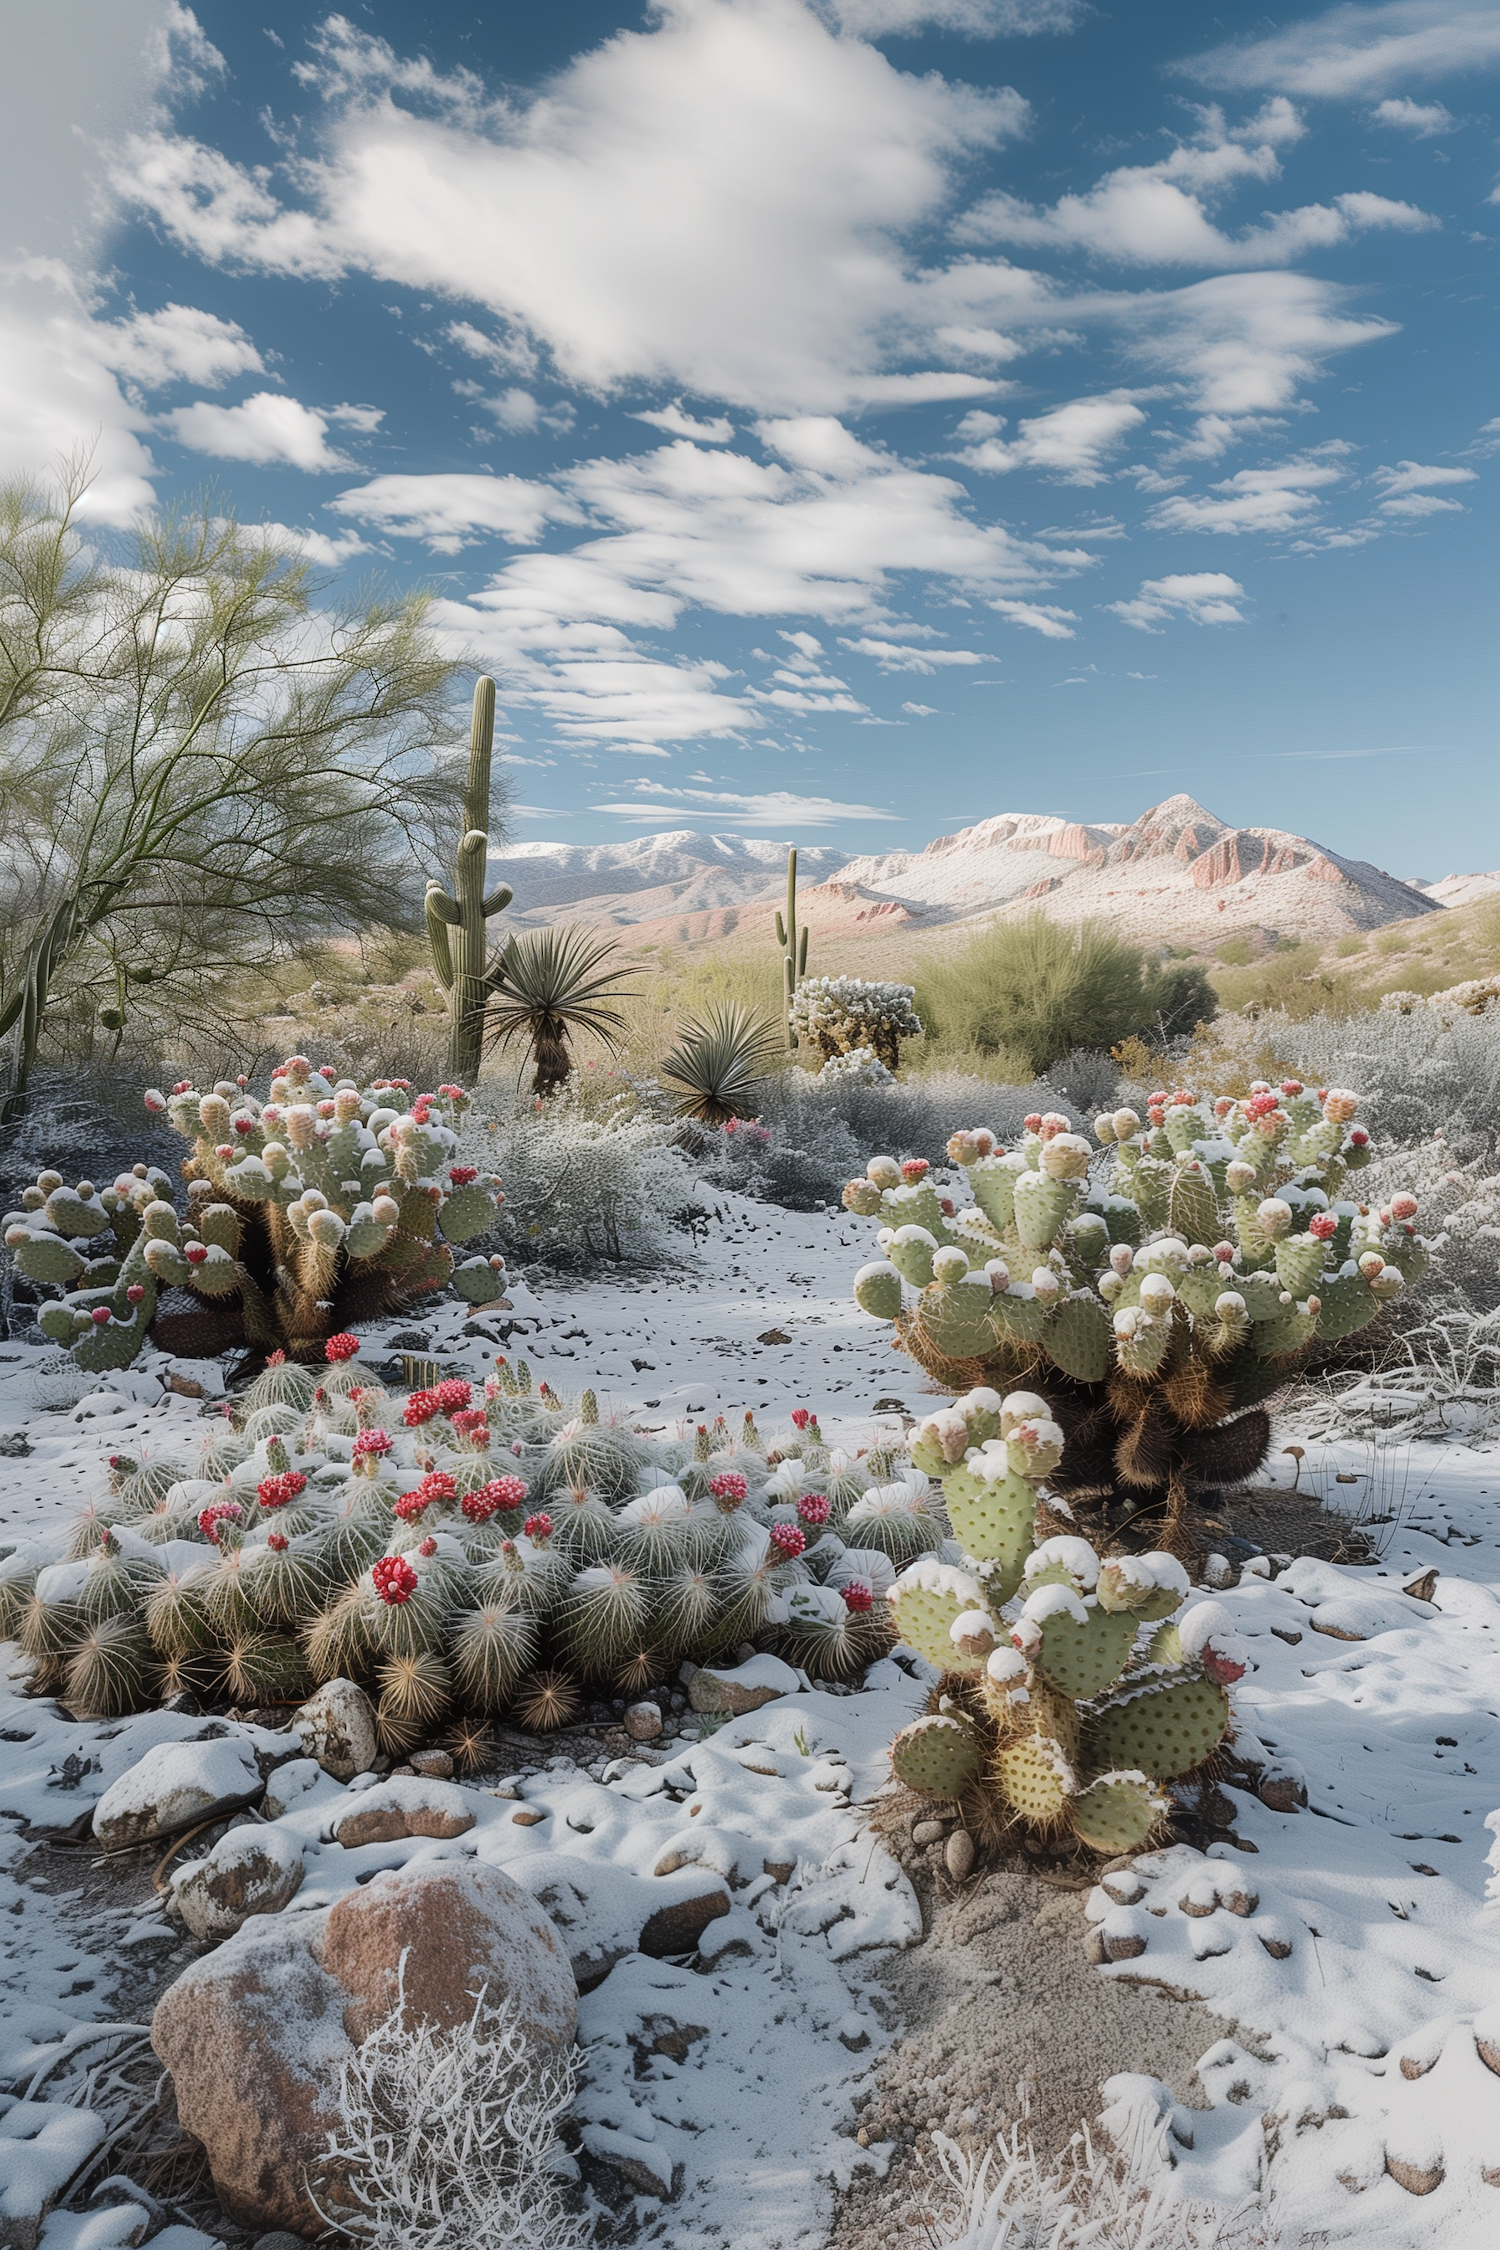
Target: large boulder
x,y
337,1727
174,1785
256,2034
252,1870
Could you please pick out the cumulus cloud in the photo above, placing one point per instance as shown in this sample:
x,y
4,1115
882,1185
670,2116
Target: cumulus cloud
x,y
1356,51
771,808
677,422
178,344
1052,623
975,19
267,429
1158,214
1072,441
449,511
1408,494
1422,118
1277,499
719,201
1207,597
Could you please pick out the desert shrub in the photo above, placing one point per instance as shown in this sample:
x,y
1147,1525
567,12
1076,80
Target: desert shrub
x,y
447,2138
836,1015
1420,1074
1181,997
587,1176
1041,987
776,1165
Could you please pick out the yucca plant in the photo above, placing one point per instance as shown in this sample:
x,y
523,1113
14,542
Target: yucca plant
x,y
547,986
719,1061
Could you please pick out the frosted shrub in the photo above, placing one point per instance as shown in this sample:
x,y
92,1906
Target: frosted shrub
x,y
914,1116
1461,1205
447,2139
796,1166
582,1187
1420,1073
1009,2199
835,1015
860,1063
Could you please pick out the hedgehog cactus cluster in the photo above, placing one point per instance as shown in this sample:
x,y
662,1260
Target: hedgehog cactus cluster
x,y
327,1202
1161,1283
1072,1688
468,1549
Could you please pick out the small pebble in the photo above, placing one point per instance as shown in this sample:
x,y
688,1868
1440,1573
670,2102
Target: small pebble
x,y
958,1855
433,1765
643,1722
928,1832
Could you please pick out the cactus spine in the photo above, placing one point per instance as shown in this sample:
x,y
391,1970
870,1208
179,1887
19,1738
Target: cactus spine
x,y
793,947
459,957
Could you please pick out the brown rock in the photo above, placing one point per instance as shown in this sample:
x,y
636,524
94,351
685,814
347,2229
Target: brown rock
x,y
678,1927
400,1807
1279,1948
643,1722
733,1690
249,1871
1488,2054
779,1870
1128,1947
433,1765
527,1818
337,1727
928,1831
254,2035
1280,1792
1417,2179
371,1824
1423,1586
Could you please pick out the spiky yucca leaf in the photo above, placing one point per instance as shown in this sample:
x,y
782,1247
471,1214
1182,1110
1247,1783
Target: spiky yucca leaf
x,y
547,1700
469,1744
265,1668
415,1692
112,1670
719,1062
544,986
644,1666
492,1648
194,1674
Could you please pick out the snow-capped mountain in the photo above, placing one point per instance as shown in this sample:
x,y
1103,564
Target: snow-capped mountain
x,y
1177,873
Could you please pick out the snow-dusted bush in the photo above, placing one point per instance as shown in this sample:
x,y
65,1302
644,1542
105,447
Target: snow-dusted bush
x,y
1421,1073
1461,1206
914,1116
860,1063
796,1165
447,2139
1009,2198
581,1187
835,1015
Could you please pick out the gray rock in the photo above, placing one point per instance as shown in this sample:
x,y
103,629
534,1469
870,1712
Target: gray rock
x,y
337,1727
643,1722
174,1785
732,1691
250,1871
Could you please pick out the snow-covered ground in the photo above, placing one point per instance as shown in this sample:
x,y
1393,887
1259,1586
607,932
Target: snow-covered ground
x,y
1349,2038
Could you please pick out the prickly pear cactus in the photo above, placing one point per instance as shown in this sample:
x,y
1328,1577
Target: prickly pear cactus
x,y
326,1203
1160,1285
1072,1688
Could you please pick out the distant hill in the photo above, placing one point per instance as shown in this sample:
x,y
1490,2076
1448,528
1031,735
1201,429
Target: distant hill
x,y
1177,875
1462,890
680,872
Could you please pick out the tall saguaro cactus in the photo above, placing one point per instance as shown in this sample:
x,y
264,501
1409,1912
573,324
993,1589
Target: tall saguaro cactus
x,y
460,959
793,945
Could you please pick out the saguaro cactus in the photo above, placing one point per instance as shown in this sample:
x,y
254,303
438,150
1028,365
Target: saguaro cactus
x,y
460,958
793,946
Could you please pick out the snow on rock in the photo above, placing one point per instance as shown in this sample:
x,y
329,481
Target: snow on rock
x,y
337,1728
173,1785
253,1870
737,1690
42,2145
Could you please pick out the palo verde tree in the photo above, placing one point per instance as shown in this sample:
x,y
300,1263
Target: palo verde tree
x,y
200,769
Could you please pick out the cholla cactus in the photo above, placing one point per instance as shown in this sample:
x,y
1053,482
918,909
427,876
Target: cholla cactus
x,y
1072,1689
1159,1299
840,1015
326,1203
380,1539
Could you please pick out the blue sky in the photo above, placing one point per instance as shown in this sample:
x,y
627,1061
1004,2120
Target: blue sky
x,y
832,419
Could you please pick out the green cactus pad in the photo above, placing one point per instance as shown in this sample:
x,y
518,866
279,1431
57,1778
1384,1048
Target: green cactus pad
x,y
992,1521
1165,1644
1081,1660
993,1180
477,1282
877,1290
1118,1813
1019,1313
468,1211
1349,1304
1299,1264
924,1602
1200,1289
1034,1778
1279,1339
48,1257
910,1250
938,1756
1042,1208
1192,1206
1161,1726
1262,1295
958,1320
1077,1338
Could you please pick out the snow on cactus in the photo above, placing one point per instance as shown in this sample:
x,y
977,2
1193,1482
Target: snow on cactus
x,y
855,1015
1071,1688
1159,1285
348,1195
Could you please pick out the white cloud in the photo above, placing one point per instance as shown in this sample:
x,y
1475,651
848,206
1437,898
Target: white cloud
x,y
1283,498
515,410
1241,343
178,344
1053,624
1356,51
57,393
1420,504
1422,118
449,510
328,553
1071,441
920,710
976,19
265,429
677,422
1411,476
891,657
1207,597
1158,214
717,202
772,808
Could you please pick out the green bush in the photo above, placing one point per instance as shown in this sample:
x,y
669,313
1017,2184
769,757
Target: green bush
x,y
1181,997
1041,988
